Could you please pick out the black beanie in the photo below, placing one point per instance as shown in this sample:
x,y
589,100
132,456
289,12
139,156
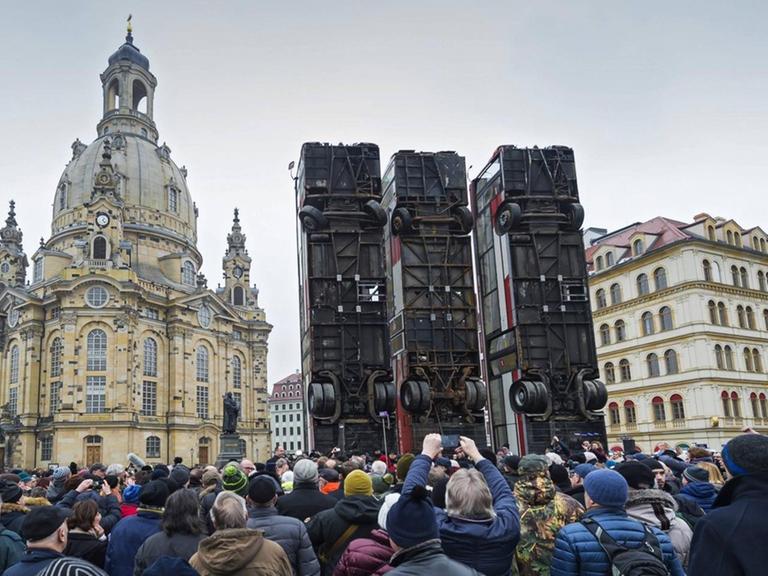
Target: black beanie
x,y
411,520
559,475
638,475
652,463
9,491
262,489
746,454
154,494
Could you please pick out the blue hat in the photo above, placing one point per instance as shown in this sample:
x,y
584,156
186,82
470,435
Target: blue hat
x,y
607,488
584,469
411,520
131,494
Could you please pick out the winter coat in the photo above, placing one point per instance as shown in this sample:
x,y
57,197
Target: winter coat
x,y
177,545
688,510
291,534
87,547
240,552
56,490
329,488
703,493
126,539
206,503
108,506
577,493
578,553
35,502
658,509
12,548
33,561
326,528
366,556
731,539
304,502
12,516
543,511
427,558
486,545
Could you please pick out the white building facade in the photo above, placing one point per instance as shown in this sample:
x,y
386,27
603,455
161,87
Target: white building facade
x,y
286,408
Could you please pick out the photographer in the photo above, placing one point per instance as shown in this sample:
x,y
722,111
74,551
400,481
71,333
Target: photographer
x,y
98,490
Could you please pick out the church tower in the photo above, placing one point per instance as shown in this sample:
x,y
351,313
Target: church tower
x,y
13,261
237,268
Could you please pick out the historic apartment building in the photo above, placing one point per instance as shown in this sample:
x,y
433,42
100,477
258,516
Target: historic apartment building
x,y
681,320
286,409
117,345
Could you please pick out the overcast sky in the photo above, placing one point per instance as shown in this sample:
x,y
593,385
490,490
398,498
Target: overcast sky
x,y
665,104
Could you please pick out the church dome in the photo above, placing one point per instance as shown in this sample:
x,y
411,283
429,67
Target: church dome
x,y
129,52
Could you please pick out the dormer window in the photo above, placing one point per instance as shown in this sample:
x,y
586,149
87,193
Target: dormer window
x,y
638,247
37,273
609,259
599,263
173,199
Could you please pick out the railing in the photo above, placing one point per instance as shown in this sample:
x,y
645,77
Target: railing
x,y
660,424
99,263
631,426
678,423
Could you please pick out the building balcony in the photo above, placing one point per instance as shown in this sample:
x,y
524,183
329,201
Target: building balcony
x,y
660,425
631,426
679,423
98,263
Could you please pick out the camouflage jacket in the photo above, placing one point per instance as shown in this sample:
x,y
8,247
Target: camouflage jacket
x,y
543,511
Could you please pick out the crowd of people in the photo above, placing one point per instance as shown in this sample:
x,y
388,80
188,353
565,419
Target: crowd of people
x,y
454,512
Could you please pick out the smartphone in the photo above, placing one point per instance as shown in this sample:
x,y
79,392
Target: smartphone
x,y
450,442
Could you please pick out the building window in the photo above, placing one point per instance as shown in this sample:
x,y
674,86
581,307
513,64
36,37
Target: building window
x,y
13,400
744,277
610,373
726,404
647,322
719,357
37,273
615,294
609,259
740,316
153,447
763,405
765,318
46,448
237,372
243,446
95,394
678,409
201,363
150,357
722,313
97,350
605,334
99,251
735,405
188,273
173,199
761,281
629,412
637,247
665,318
670,360
711,233
735,276
14,371
149,398
748,360
659,414
728,358
613,411
626,373
96,296
642,285
202,401
621,330
652,361
57,351
600,299
238,296
757,362
204,316
55,401
5,267
599,263
707,271
729,237
152,313
755,405
712,312
238,398
660,278
750,317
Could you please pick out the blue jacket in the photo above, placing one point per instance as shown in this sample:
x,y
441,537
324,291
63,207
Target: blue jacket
x,y
127,537
487,546
291,534
578,553
730,540
33,561
703,493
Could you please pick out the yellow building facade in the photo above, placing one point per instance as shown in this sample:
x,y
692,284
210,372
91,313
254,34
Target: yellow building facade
x,y
117,345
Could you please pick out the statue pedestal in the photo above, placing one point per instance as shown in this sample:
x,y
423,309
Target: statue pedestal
x,y
229,449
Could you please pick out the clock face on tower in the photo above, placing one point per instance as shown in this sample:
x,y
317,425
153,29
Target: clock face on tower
x,y
102,219
237,272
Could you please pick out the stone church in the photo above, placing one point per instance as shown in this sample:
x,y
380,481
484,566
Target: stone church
x,y
116,344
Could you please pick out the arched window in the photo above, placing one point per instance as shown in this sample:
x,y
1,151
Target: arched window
x,y
626,373
763,248
652,361
99,248
755,405
201,357
139,96
722,312
660,278
97,350
761,282
765,318
237,372
153,447
630,416
600,299
173,199
188,273
613,410
670,360
726,404
757,362
610,373
678,408
615,294
707,271
748,360
728,358
599,263
735,405
716,276
659,414
737,239
719,357
57,351
647,322
642,285
637,247
711,233
665,318
729,237
238,296
741,317
755,243
763,405
750,317
14,370
605,334
113,95
712,312
621,331
735,278
150,357
609,259
744,277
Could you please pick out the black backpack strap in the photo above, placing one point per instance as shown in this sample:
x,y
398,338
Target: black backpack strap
x,y
652,543
605,540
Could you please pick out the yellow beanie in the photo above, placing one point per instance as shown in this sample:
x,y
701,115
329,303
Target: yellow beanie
x,y
358,483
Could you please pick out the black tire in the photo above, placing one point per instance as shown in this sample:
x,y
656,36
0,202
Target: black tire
x,y
410,396
329,399
391,395
376,212
464,219
480,395
402,221
426,395
384,397
528,397
312,219
470,398
508,216
315,399
595,395
576,215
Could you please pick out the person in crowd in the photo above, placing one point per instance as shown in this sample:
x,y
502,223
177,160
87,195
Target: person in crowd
x,y
56,487
560,448
247,466
12,511
354,516
715,476
480,525
697,488
578,475
287,481
543,511
579,552
233,549
698,454
369,556
130,504
654,507
289,532
86,538
180,534
329,481
71,566
415,537
180,475
560,476
36,497
306,500
45,529
730,540
131,532
347,468
509,466
277,454
99,491
213,485
11,548
401,471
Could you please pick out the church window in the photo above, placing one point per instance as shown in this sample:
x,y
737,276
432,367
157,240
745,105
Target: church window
x,y
57,351
237,372
148,398
13,400
5,267
153,447
152,314
150,357
202,401
55,400
37,272
113,95
238,296
139,96
238,398
202,363
99,248
46,448
97,296
173,199
95,394
97,350
188,273
14,372
204,316
63,197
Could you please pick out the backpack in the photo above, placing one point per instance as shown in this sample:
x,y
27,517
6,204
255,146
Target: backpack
x,y
647,560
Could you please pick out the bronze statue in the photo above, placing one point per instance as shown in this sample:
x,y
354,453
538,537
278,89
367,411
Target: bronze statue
x,y
231,414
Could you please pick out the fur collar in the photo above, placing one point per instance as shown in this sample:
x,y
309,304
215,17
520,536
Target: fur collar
x,y
13,507
652,496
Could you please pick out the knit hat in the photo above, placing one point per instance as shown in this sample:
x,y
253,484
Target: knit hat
x,y
70,566
553,458
411,520
379,484
180,474
582,470
9,492
211,477
652,463
746,454
234,480
403,465
154,494
532,465
305,471
512,462
329,475
131,494
358,483
61,473
262,489
638,475
24,477
607,488
696,474
559,475
386,505
42,521
590,457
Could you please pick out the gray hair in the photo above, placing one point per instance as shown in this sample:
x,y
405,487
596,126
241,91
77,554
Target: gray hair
x,y
115,469
229,511
468,496
379,468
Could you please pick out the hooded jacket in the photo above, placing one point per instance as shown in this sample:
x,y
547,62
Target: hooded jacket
x,y
366,556
56,490
108,505
177,545
126,539
12,548
326,528
33,562
703,493
304,502
291,534
12,516
87,547
543,511
240,552
427,558
658,509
